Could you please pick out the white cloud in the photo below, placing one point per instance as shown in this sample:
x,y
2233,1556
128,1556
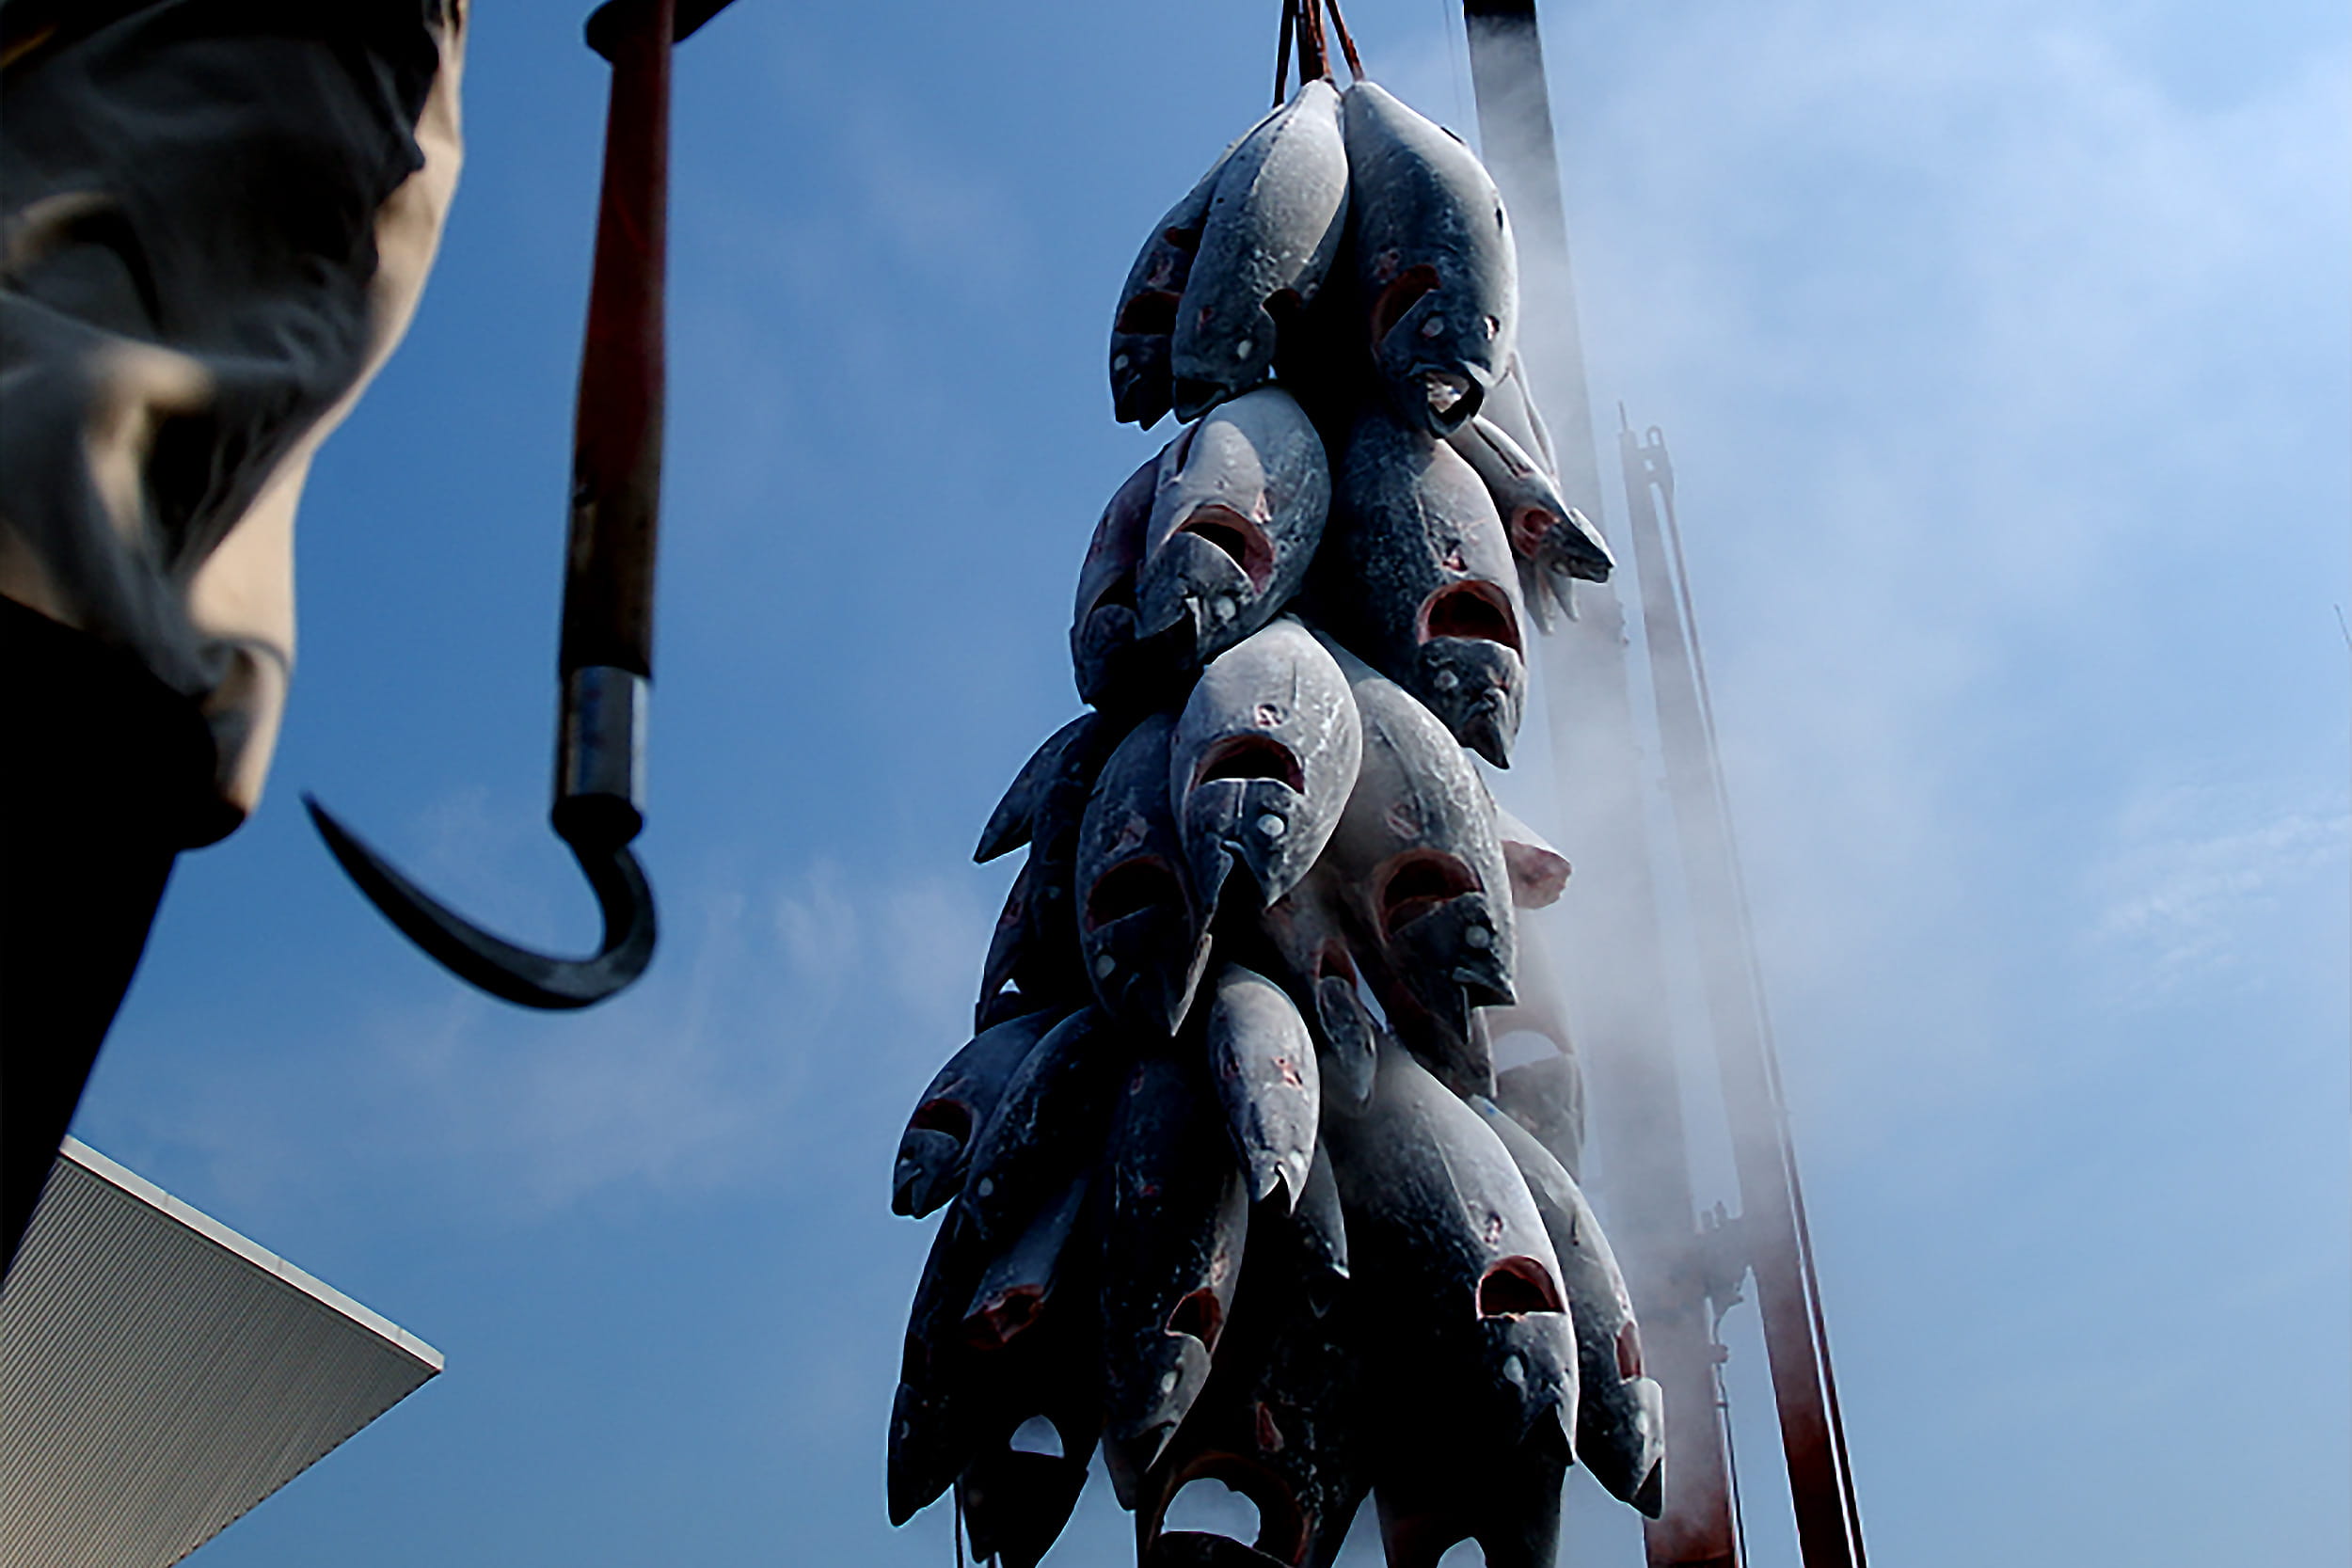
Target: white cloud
x,y
2190,894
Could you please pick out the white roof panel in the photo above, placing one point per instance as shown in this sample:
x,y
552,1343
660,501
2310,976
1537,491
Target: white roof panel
x,y
160,1374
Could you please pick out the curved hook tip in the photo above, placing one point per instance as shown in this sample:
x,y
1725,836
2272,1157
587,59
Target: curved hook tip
x,y
512,974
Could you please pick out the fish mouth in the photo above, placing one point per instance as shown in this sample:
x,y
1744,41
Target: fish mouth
x,y
1475,686
1572,548
1516,1286
1475,611
927,1159
1249,755
1239,537
1416,883
1398,299
1452,953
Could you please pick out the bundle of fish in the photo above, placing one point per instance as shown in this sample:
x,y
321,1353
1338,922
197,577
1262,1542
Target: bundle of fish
x,y
1232,1185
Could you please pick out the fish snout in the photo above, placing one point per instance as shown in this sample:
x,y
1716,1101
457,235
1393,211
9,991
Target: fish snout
x,y
1572,548
1250,823
1457,956
1190,579
927,1159
1164,1374
1477,686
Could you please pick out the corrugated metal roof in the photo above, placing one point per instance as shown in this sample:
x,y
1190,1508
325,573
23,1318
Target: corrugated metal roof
x,y
160,1374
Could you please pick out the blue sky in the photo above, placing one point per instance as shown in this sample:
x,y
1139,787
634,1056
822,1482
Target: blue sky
x,y
2003,349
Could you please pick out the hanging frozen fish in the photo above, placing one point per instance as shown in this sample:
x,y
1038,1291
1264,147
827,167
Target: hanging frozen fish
x,y
1272,227
934,1153
1011,824
1475,1428
1319,1224
1544,530
1621,1414
1263,1062
1545,1093
1447,1249
1144,935
1016,1501
1037,1137
1309,934
1281,1423
1239,511
1110,668
1035,1332
1035,945
1434,259
966,1374
1143,389
1026,1350
1265,754
1416,872
1417,575
1173,1234
1512,406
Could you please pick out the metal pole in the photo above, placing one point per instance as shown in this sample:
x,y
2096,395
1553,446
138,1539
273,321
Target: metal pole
x,y
1612,952
1771,1228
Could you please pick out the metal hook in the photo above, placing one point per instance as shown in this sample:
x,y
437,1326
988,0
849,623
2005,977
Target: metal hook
x,y
606,657
505,970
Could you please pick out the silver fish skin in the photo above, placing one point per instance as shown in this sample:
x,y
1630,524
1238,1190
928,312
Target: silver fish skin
x,y
1024,1348
1264,758
1143,389
1542,526
1320,1226
1019,1279
930,1428
1035,945
1008,825
954,1107
968,1375
1035,1142
1282,1422
1416,874
1306,930
1235,521
1263,1062
1512,407
1620,1419
1015,1501
1174,1233
1143,933
1272,225
1418,576
1103,652
1447,1249
1434,257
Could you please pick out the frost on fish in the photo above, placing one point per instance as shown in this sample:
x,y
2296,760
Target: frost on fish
x,y
1260,1167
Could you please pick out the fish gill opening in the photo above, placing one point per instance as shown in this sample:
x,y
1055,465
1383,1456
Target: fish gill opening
x,y
1477,610
1250,757
1400,297
1515,1287
1238,537
1419,883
